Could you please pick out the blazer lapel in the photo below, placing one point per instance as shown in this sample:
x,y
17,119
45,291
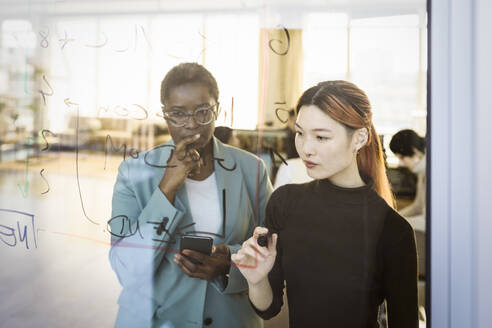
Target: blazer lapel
x,y
229,186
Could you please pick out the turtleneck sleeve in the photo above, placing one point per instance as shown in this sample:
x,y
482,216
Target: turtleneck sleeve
x,y
274,216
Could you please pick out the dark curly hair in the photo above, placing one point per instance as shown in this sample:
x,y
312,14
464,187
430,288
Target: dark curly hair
x,y
188,73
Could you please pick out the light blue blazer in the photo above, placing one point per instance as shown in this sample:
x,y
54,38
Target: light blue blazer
x,y
156,293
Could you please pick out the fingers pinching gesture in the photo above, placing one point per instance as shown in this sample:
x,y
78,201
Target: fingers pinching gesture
x,y
185,161
254,261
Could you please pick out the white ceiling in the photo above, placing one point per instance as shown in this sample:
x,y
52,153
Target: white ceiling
x,y
39,8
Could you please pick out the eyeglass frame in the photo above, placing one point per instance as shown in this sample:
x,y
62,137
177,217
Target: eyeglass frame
x,y
214,108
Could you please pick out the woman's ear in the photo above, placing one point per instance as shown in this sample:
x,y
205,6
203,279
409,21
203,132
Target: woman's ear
x,y
361,137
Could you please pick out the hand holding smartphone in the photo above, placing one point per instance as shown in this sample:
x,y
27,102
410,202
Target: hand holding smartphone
x,y
196,243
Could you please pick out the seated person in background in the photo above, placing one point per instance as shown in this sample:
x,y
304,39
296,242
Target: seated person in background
x,y
227,136
289,141
293,172
194,184
410,150
337,243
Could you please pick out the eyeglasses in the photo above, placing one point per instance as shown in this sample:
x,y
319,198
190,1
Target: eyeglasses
x,y
202,115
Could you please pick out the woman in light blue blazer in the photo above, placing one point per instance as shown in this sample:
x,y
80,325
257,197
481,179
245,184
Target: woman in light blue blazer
x,y
194,184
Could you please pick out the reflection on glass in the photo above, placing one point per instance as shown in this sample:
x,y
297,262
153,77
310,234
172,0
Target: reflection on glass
x,y
80,95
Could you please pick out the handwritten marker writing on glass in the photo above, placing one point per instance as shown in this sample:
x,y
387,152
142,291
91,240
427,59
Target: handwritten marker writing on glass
x,y
263,239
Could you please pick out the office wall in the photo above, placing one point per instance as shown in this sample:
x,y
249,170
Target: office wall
x,y
460,156
483,176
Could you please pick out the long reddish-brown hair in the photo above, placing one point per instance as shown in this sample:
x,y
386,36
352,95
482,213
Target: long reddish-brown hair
x,y
347,104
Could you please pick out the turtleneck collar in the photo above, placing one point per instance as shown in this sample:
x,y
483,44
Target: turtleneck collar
x,y
343,194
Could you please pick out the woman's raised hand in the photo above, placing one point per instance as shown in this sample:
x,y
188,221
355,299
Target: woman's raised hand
x,y
254,261
184,161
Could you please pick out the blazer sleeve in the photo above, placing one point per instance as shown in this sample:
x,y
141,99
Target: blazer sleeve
x,y
137,245
236,283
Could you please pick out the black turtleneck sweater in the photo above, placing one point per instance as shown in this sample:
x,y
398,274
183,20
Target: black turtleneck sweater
x,y
341,252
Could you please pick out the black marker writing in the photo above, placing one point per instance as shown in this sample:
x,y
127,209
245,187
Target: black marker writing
x,y
139,112
127,229
124,111
179,229
203,36
145,36
104,108
65,41
123,219
281,53
69,103
109,142
176,57
155,148
272,152
99,45
44,94
123,49
44,41
109,146
201,52
46,181
77,165
133,153
224,211
44,132
161,226
142,109
279,112
220,160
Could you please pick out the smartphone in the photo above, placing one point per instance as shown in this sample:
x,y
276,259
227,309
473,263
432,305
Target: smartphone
x,y
198,244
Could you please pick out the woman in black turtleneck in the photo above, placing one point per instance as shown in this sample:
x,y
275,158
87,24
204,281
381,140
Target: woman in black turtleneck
x,y
337,242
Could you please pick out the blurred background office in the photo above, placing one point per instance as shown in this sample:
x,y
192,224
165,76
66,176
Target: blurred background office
x,y
79,92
